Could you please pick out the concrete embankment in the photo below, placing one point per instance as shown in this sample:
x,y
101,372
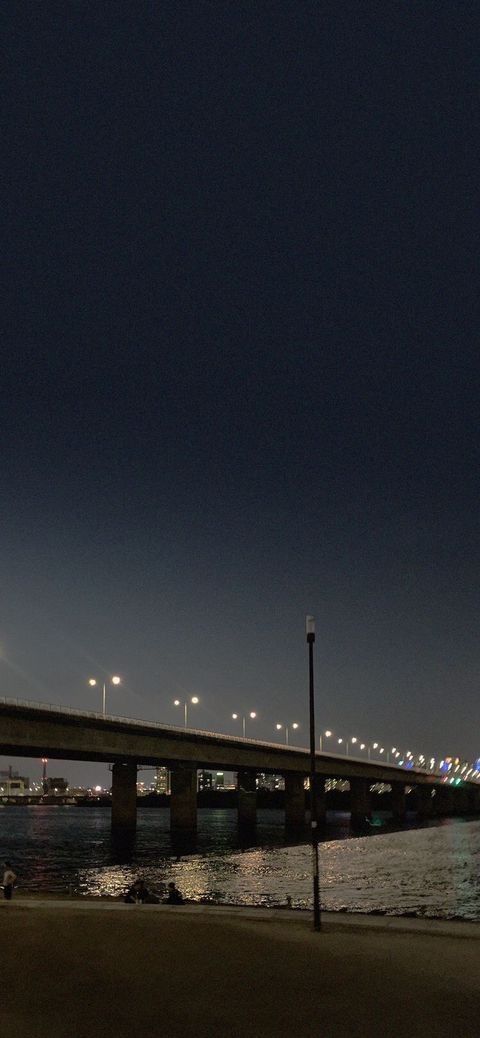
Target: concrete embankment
x,y
102,969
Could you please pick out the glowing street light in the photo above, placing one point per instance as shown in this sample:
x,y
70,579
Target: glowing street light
x,y
252,715
114,681
327,735
193,699
280,726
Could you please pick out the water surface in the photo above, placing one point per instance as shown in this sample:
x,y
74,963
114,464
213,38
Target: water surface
x,y
431,871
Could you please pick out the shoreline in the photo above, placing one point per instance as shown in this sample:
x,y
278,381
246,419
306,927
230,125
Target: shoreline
x,y
365,921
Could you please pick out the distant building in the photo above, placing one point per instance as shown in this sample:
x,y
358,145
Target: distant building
x,y
270,782
205,780
162,780
55,785
219,780
12,784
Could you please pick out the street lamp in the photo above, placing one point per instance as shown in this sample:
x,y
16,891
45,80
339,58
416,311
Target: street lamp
x,y
280,726
327,735
310,631
252,714
194,700
114,681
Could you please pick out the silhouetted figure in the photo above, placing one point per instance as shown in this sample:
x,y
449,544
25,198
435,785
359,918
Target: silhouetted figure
x,y
9,880
174,896
137,894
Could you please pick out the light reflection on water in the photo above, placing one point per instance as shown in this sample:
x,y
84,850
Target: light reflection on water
x,y
432,871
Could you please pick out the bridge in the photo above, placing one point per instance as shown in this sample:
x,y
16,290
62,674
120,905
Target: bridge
x,y
31,729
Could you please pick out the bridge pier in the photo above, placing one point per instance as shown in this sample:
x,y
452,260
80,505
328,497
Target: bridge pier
x,y
424,802
398,801
443,801
247,799
360,807
321,799
461,801
294,800
474,796
183,798
124,797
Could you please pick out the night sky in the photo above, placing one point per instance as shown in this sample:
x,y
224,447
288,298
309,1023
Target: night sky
x,y
239,376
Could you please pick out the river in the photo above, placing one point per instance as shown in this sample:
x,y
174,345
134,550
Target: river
x,y
429,871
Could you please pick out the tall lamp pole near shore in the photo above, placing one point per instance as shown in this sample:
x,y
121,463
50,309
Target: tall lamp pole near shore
x,y
310,630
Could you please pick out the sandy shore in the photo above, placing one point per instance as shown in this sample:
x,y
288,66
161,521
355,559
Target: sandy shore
x,y
79,969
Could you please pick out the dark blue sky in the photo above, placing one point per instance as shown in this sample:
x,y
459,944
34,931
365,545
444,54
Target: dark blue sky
x,y
240,363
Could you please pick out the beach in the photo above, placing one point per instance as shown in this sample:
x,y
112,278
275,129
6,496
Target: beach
x,y
104,969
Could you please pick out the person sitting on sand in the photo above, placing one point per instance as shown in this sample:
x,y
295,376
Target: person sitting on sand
x,y
137,893
174,896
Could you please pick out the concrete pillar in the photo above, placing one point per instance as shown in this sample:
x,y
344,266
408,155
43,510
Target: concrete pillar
x,y
124,797
424,802
461,801
183,798
321,799
474,796
359,801
247,799
294,800
398,801
443,801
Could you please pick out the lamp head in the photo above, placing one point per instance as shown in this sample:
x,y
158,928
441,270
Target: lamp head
x,y
310,628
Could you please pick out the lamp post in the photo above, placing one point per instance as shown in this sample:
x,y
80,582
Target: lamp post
x,y
194,700
280,726
252,715
310,631
114,681
327,735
